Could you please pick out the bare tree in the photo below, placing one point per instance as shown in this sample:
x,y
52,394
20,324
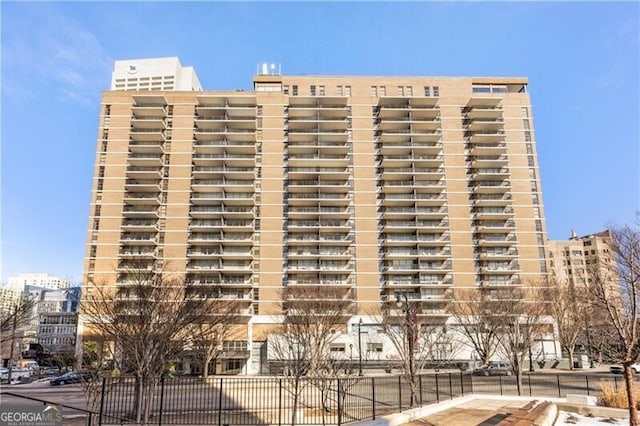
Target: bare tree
x,y
17,316
417,340
569,310
207,338
312,321
473,313
145,321
521,315
615,292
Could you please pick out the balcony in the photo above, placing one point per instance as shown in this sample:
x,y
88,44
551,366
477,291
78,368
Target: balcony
x,y
141,198
142,185
224,159
145,134
139,121
144,159
485,136
140,212
204,172
144,172
143,225
495,160
137,253
138,239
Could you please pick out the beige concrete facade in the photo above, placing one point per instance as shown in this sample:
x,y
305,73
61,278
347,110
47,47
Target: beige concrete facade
x,y
574,261
377,186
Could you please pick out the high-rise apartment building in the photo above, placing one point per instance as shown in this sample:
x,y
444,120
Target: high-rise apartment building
x,y
380,187
153,74
574,261
48,281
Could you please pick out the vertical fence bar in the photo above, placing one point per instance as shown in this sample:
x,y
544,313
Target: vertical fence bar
x,y
450,387
461,383
399,395
500,381
340,408
373,398
437,390
615,382
420,382
104,384
220,404
559,392
586,377
161,401
279,402
529,384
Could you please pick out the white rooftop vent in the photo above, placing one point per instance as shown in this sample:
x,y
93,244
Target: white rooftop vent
x,y
265,68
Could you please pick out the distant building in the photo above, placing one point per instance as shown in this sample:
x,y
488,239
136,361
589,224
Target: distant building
x,y
58,320
164,74
47,281
573,261
9,297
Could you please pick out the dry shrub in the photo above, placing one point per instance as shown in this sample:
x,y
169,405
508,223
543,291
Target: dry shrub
x,y
617,397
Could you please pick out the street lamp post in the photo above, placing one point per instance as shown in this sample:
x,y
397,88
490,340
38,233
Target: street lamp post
x,y
408,312
360,347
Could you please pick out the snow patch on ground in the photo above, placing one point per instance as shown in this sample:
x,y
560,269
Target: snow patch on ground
x,y
565,418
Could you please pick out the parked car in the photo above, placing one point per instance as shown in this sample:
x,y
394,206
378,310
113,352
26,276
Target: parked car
x,y
49,371
619,369
69,378
494,369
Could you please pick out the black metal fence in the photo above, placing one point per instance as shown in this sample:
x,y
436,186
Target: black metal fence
x,y
272,401
286,401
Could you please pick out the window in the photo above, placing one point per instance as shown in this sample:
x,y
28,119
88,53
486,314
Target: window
x,y
400,91
347,90
313,90
383,90
374,91
295,90
336,347
436,91
285,90
480,89
427,91
374,347
339,90
321,90
409,91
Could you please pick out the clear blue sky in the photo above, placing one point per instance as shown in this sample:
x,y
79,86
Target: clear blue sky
x,y
581,60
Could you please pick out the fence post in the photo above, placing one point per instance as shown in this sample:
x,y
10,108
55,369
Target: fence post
x,y
161,400
373,397
420,383
220,404
615,382
529,384
450,387
586,377
399,395
437,390
461,383
471,381
104,384
500,380
279,402
339,404
559,393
